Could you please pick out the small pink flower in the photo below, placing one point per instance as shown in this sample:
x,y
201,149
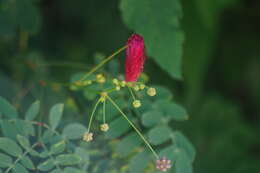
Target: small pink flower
x,y
135,58
163,164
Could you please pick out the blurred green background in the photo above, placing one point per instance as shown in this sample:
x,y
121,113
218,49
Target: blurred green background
x,y
206,51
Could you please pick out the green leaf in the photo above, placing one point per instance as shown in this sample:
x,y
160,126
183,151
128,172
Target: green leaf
x,y
170,152
44,154
183,164
56,171
152,118
162,34
82,153
23,141
139,162
33,111
46,165
27,162
184,144
6,160
34,153
58,147
118,127
47,136
55,115
68,159
19,169
172,110
163,93
23,14
27,128
73,170
10,147
74,131
159,135
9,128
178,112
128,144
7,109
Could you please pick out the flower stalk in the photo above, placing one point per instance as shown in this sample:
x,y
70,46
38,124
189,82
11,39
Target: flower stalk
x,y
102,63
92,115
135,128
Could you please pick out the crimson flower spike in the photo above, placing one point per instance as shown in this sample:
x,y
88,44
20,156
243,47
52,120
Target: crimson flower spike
x,y
135,58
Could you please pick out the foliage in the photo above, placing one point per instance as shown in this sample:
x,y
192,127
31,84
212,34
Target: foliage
x,y
57,152
161,33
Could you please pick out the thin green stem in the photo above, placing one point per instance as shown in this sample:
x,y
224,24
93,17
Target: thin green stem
x,y
92,115
92,70
102,63
131,92
50,156
64,64
20,157
104,111
137,131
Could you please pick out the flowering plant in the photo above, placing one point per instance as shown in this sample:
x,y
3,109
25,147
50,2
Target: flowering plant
x,y
57,151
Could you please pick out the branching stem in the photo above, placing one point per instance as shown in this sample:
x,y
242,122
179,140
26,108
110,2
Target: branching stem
x,y
102,63
135,128
92,115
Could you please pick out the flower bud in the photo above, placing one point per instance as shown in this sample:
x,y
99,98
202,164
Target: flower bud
x,y
123,83
103,96
100,78
87,82
115,81
88,137
163,164
118,88
136,103
142,86
151,91
136,88
104,127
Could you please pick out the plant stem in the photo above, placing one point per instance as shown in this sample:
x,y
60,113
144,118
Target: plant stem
x,y
92,115
102,63
91,71
50,156
104,111
131,92
20,157
137,131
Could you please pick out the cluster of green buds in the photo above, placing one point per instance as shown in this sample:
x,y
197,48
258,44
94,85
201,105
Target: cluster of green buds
x,y
136,87
99,79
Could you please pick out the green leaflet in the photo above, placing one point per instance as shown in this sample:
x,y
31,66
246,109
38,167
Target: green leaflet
x,y
159,135
19,169
7,109
68,159
6,160
74,131
55,115
46,165
10,147
33,111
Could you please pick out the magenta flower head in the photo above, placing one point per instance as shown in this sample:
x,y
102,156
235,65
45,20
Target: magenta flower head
x,y
135,58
